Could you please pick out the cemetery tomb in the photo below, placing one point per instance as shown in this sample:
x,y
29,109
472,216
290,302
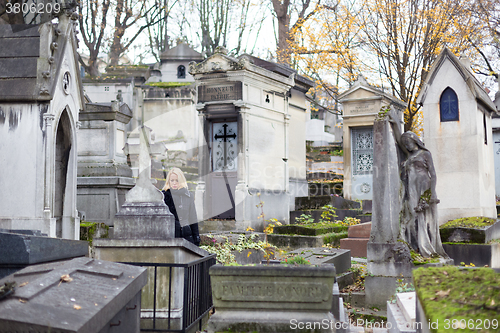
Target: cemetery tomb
x,y
40,98
361,103
81,295
252,138
103,174
458,132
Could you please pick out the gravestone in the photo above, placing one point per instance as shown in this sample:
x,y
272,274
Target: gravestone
x,y
361,103
252,115
40,97
103,174
457,130
272,298
395,215
144,233
22,248
80,295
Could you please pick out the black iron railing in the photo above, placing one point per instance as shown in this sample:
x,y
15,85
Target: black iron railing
x,y
197,295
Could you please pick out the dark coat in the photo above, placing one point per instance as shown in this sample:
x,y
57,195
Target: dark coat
x,y
181,204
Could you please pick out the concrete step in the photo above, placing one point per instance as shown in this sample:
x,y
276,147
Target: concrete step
x,y
401,315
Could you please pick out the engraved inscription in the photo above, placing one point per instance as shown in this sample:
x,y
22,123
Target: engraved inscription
x,y
223,92
360,108
258,291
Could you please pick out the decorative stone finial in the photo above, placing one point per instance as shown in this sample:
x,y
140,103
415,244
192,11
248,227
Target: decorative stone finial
x,y
144,190
220,50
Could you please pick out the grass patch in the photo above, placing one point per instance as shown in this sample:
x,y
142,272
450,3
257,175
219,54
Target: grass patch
x,y
476,222
334,238
452,295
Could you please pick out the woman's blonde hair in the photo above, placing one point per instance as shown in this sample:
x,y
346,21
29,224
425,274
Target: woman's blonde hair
x,y
180,176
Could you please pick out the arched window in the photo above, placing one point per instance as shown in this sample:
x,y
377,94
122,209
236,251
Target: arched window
x,y
181,72
448,105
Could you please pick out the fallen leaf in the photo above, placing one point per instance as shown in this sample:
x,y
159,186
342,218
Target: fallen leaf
x,y
443,293
249,253
66,278
77,307
23,284
22,300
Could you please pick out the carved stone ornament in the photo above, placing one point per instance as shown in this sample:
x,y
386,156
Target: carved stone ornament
x,y
216,64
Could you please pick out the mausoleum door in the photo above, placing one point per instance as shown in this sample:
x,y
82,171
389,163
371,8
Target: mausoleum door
x,y
224,165
362,163
62,154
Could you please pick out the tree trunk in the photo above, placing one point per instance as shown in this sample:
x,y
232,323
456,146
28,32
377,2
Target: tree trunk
x,y
282,15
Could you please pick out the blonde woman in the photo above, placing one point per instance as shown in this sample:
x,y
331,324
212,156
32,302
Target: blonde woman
x,y
181,203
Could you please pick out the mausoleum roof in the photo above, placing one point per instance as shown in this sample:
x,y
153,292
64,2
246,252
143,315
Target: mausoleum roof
x,y
19,53
302,83
474,85
181,52
30,59
361,83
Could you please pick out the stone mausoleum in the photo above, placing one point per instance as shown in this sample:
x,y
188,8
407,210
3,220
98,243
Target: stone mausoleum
x,y
40,98
252,117
457,131
361,104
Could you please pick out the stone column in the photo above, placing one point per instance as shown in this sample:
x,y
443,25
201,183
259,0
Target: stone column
x,y
48,120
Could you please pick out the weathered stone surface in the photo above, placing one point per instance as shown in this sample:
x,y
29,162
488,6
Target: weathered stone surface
x,y
25,250
459,234
360,230
316,202
266,298
99,296
173,250
357,246
386,184
144,220
340,258
292,242
478,254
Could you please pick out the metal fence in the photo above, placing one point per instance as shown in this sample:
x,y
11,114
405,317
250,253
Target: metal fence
x,y
197,294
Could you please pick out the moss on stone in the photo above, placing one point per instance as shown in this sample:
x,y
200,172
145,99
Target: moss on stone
x,y
475,222
88,231
450,293
168,84
420,260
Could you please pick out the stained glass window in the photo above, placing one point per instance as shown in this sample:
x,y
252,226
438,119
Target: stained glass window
x,y
362,151
448,105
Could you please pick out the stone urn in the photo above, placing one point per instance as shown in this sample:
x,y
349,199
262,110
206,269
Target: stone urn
x,y
272,298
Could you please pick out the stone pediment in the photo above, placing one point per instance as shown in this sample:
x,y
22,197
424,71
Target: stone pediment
x,y
362,90
218,63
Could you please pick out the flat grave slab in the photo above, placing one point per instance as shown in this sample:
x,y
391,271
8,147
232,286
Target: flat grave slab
x,y
324,255
20,249
80,295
